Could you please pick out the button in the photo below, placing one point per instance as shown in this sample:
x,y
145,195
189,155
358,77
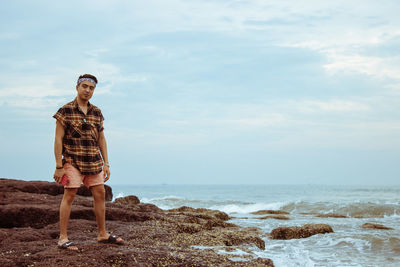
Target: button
x,y
84,120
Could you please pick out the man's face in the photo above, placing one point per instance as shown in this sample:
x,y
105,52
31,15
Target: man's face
x,y
85,90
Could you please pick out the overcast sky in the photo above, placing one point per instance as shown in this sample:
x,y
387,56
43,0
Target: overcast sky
x,y
209,91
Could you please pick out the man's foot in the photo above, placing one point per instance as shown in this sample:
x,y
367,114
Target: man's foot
x,y
111,239
66,244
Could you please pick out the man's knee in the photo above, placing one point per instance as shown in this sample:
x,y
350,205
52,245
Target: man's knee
x,y
69,194
98,191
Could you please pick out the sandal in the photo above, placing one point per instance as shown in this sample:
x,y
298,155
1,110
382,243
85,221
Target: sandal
x,y
112,239
67,245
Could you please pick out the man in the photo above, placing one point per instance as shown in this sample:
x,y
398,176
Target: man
x,y
79,141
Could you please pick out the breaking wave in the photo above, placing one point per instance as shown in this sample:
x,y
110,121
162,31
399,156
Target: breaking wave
x,y
355,209
170,202
248,208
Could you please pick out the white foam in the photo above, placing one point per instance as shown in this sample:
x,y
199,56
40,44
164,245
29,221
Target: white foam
x,y
350,243
289,256
168,198
394,215
203,247
238,259
120,194
245,209
236,252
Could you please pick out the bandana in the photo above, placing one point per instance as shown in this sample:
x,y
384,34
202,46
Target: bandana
x,y
86,79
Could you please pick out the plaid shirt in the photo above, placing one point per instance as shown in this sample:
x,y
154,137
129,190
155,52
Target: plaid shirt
x,y
80,143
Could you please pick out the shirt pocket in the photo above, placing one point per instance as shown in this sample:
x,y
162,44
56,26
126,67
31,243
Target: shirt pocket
x,y
75,129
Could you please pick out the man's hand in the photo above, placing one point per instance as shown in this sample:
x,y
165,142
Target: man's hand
x,y
58,174
106,170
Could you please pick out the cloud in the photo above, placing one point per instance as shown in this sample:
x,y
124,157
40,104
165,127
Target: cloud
x,y
332,106
38,90
276,123
373,66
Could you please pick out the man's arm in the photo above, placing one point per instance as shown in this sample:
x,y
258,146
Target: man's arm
x,y
103,150
58,147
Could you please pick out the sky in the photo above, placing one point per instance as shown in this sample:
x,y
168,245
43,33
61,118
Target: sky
x,y
209,91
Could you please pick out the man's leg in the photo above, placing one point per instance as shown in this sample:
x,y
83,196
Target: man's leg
x,y
99,206
65,211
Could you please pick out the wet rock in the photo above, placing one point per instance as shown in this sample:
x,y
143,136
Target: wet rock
x,y
263,212
153,237
375,226
128,200
234,239
201,213
264,262
300,232
208,219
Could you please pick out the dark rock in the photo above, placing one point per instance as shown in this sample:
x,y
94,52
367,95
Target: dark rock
x,y
300,232
128,200
42,187
188,228
235,240
84,191
375,226
263,212
201,213
17,215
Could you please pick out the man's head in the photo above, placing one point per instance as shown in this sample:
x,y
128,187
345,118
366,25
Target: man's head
x,y
85,86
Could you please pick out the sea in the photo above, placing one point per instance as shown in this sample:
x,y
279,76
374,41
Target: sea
x,y
349,245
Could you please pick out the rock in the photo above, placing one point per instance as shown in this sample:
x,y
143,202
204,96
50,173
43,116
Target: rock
x,y
188,228
235,240
263,262
128,200
205,213
208,219
42,187
16,215
29,231
276,217
375,226
263,212
331,215
300,232
84,191
36,187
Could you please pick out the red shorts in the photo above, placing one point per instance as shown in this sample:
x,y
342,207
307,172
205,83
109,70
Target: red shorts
x,y
75,178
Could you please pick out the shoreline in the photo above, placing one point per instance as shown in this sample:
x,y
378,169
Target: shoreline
x,y
181,237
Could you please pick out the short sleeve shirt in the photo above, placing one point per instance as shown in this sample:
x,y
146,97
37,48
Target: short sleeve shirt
x,y
80,142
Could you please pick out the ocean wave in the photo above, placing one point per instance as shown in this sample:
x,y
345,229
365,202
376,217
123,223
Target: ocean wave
x,y
249,208
171,198
355,209
172,201
118,196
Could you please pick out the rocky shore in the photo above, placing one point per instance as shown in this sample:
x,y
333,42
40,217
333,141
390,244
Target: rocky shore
x,y
153,237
